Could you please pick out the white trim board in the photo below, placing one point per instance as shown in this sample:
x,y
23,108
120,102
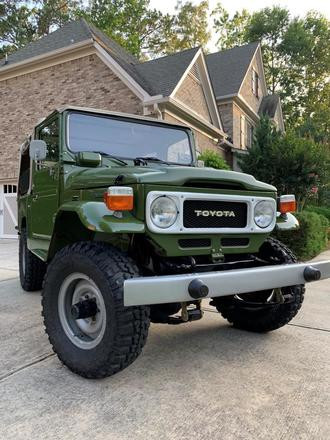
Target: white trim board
x,y
121,73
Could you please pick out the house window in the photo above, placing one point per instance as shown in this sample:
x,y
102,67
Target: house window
x,y
249,134
255,83
10,189
242,131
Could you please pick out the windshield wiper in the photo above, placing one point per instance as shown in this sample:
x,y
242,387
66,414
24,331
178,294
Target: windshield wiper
x,y
102,153
142,160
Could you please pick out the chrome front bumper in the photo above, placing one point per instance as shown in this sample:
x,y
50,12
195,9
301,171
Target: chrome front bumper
x,y
175,288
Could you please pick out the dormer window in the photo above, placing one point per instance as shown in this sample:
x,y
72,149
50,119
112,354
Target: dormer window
x,y
255,83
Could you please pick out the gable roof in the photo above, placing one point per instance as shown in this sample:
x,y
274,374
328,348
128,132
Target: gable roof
x,y
158,76
71,33
269,105
163,74
227,68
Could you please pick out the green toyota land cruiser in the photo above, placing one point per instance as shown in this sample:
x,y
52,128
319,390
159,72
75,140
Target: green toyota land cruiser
x,y
120,225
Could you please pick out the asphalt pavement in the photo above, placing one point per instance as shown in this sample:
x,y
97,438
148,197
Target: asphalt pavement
x,y
202,380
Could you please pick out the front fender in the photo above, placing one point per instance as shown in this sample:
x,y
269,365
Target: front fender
x,y
286,223
96,217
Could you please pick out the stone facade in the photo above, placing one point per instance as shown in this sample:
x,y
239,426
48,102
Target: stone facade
x,y
25,99
191,94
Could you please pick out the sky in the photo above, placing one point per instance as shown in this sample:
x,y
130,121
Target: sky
x,y
296,7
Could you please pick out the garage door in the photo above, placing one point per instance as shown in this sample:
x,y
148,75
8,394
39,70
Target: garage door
x,y
8,211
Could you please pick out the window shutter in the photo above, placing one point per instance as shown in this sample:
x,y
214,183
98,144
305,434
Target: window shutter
x,y
242,129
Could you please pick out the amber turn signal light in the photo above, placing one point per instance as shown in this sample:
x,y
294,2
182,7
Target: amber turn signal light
x,y
119,198
287,203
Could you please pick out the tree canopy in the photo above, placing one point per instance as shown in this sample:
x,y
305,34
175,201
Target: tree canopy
x,y
291,163
296,54
142,30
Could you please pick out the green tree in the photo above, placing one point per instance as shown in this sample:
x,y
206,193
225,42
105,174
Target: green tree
x,y
296,53
293,164
213,160
186,29
129,22
24,21
269,27
230,30
16,28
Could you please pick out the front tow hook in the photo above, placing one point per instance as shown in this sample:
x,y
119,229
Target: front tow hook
x,y
197,289
311,274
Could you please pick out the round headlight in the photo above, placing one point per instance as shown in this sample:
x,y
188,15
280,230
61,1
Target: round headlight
x,y
163,212
264,213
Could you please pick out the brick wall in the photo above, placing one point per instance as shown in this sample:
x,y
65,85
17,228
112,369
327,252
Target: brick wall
x,y
27,98
191,93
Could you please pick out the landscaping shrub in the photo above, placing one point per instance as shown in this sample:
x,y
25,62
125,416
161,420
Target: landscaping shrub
x,y
321,210
310,239
213,160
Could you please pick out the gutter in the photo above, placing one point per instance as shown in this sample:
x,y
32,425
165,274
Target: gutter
x,y
160,99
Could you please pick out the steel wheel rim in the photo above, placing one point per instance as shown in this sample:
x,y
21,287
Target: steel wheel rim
x,y
267,300
83,333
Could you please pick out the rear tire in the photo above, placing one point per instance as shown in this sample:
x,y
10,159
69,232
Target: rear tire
x,y
108,341
259,311
31,269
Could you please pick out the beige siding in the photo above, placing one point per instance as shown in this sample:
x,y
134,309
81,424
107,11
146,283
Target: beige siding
x,y
237,113
239,132
27,98
192,95
246,89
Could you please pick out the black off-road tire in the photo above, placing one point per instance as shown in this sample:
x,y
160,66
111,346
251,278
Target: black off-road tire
x,y
31,269
126,328
270,317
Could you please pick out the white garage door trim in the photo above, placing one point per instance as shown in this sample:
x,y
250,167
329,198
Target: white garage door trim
x,y
8,214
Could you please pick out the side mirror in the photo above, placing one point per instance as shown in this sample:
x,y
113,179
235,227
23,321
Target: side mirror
x,y
89,159
38,150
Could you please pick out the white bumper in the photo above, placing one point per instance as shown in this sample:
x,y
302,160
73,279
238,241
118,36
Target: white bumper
x,y
174,288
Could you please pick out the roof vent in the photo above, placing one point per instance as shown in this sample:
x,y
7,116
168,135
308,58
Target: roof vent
x,y
195,72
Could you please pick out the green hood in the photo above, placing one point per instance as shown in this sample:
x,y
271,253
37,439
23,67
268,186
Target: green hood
x,y
163,175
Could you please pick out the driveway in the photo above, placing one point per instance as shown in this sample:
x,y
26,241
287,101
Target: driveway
x,y
203,380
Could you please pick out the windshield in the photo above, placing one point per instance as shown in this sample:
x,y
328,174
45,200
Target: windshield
x,y
128,139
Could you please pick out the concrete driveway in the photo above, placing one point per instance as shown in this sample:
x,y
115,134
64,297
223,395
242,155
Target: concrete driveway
x,y
203,380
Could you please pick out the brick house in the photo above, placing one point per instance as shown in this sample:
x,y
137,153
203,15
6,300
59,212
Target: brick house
x,y
79,65
239,84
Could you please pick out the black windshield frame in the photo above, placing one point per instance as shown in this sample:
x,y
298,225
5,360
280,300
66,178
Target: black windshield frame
x,y
136,121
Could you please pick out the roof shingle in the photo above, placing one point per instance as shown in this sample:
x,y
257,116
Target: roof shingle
x,y
72,33
228,68
163,74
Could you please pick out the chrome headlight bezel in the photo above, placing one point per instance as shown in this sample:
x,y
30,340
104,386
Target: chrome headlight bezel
x,y
264,213
170,212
